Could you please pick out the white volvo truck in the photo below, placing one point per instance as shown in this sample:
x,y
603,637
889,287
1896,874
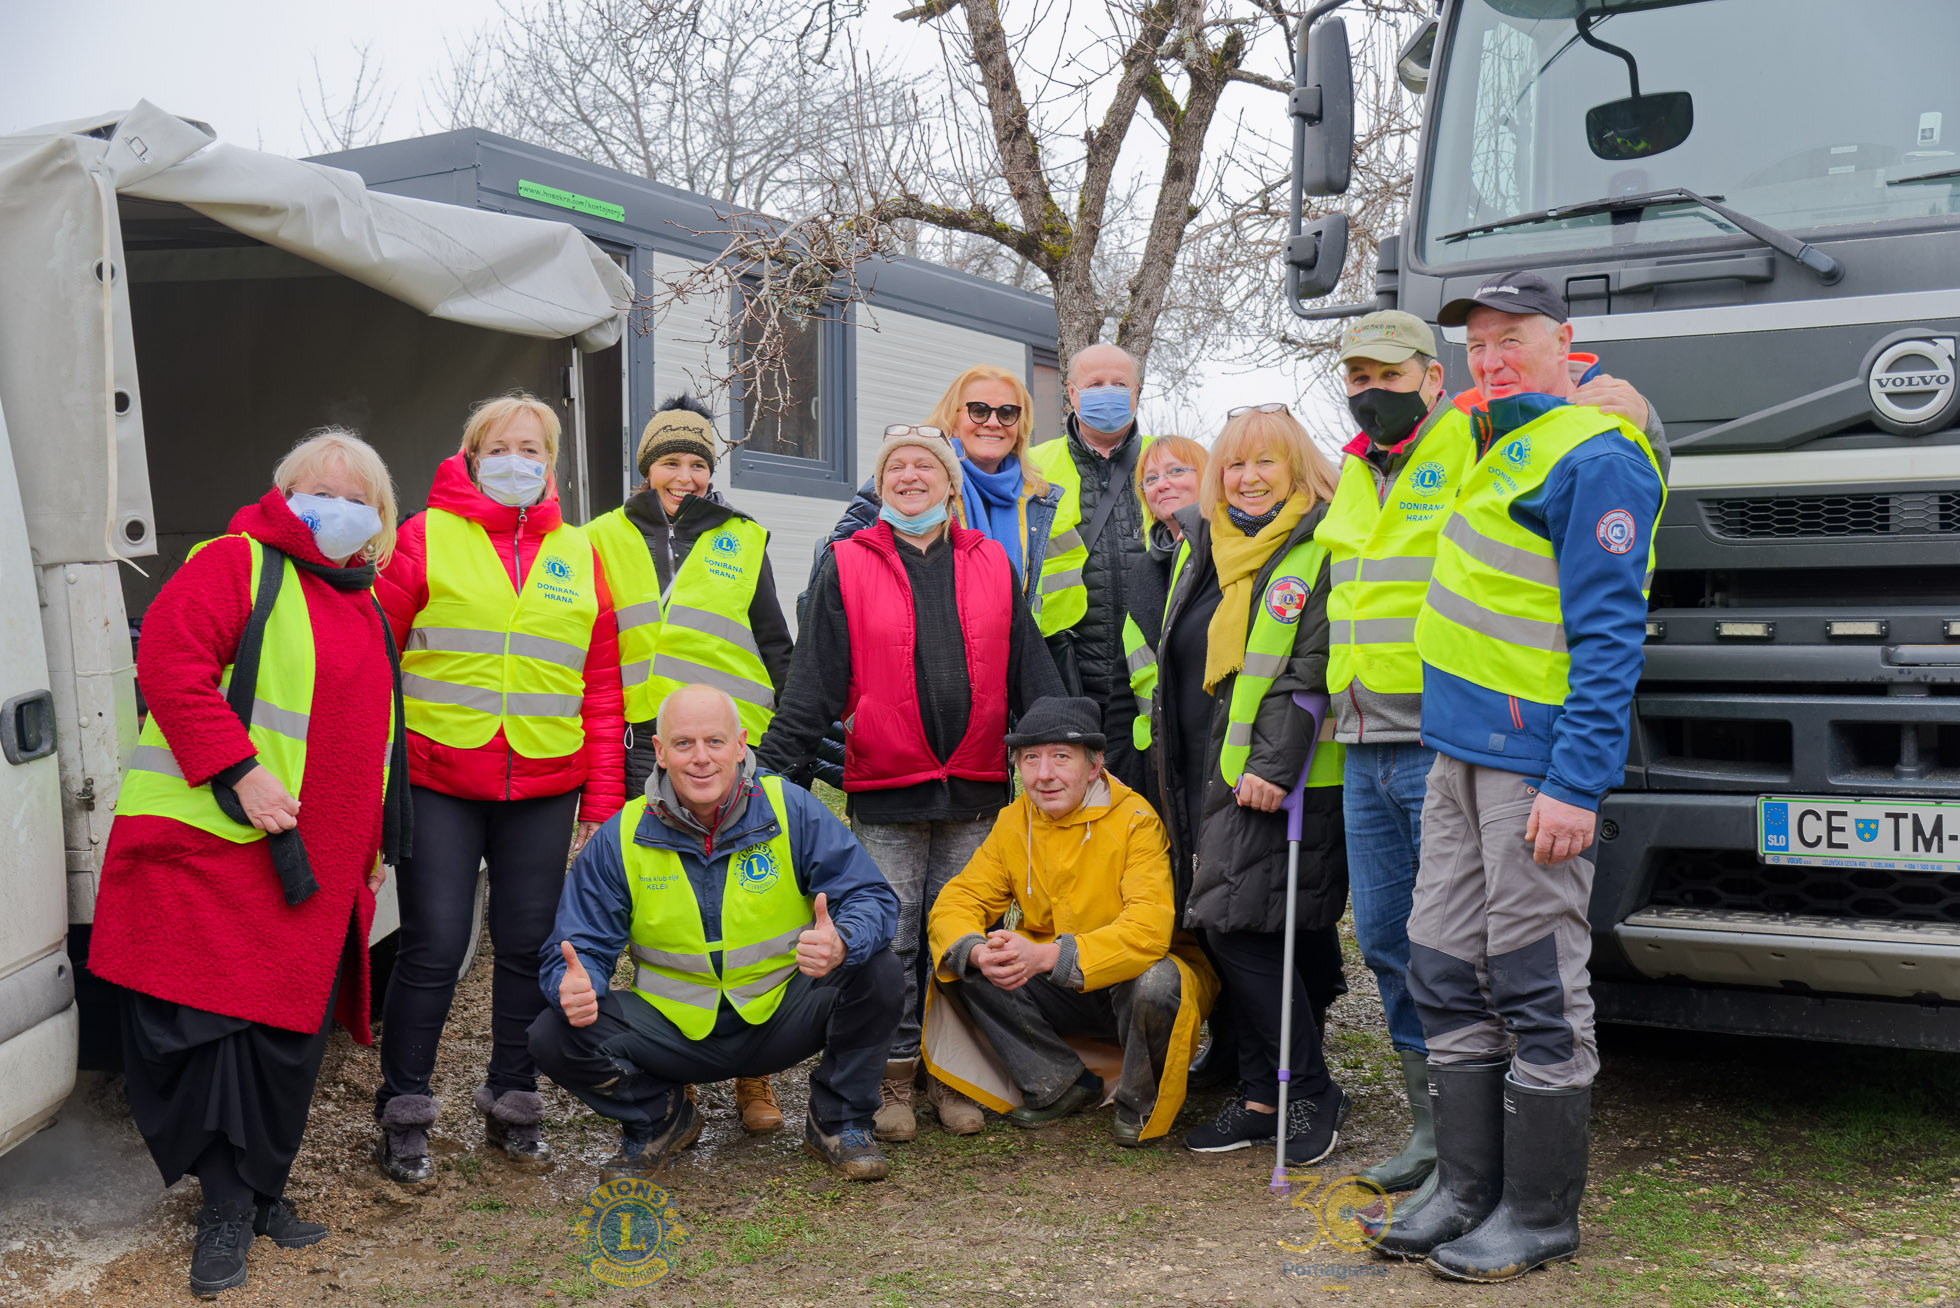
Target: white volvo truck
x,y
178,313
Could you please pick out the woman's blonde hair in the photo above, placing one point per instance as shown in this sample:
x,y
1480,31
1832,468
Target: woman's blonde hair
x,y
325,446
1281,432
946,416
491,416
1181,448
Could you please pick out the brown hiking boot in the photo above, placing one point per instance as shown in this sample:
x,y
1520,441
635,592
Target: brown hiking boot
x,y
895,1120
958,1114
693,1095
755,1099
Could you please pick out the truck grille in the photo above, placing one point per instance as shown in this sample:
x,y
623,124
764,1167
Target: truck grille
x,y
1904,513
1733,879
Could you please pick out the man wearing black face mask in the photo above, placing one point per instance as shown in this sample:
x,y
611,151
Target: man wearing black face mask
x,y
1398,480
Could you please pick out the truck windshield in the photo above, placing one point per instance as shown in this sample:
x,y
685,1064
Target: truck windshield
x,y
1807,114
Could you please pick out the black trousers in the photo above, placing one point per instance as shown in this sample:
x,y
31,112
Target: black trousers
x,y
1250,963
626,1064
526,842
1026,1029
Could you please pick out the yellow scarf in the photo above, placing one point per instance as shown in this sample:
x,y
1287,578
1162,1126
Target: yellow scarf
x,y
1238,558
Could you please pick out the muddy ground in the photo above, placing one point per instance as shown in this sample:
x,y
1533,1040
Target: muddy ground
x,y
1723,1172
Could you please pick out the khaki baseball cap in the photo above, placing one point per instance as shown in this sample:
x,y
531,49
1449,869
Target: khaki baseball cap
x,y
1387,336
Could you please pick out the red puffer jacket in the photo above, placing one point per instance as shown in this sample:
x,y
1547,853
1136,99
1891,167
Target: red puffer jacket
x,y
194,918
493,770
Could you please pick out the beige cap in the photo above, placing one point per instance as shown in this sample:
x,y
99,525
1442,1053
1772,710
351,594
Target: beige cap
x,y
1387,336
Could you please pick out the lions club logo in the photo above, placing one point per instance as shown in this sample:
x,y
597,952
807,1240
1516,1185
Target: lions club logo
x,y
627,1233
557,567
759,870
1427,476
1616,532
1518,450
726,544
1286,598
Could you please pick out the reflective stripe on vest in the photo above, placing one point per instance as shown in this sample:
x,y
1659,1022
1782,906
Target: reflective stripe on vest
x,y
1492,613
1381,552
1064,597
699,631
481,656
281,708
1267,648
1142,662
762,914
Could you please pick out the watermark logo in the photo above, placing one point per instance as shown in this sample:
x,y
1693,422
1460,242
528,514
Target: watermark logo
x,y
1345,1216
628,1233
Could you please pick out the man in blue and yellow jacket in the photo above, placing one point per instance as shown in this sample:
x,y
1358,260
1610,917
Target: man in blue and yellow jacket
x,y
758,933
1530,637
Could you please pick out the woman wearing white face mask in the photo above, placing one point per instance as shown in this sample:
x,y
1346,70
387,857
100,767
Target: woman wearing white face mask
x,y
238,884
510,677
917,639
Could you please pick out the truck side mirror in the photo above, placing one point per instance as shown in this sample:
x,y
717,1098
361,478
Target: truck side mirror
x,y
1322,106
1413,63
1315,257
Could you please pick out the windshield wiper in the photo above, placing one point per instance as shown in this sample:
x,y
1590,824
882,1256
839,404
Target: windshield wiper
x,y
1933,176
1829,271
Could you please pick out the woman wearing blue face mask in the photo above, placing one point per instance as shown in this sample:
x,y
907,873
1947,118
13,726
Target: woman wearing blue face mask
x,y
269,783
918,640
510,678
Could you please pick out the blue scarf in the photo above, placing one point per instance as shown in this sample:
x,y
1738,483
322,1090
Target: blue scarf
x,y
993,504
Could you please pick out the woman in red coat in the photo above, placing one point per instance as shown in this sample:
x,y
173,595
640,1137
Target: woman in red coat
x,y
510,674
240,874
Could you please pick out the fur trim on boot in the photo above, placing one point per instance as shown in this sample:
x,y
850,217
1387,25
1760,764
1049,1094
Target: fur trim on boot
x,y
510,1123
402,1152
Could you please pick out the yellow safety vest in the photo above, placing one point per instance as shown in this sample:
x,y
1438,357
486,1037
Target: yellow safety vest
x,y
282,705
1267,648
482,656
1064,597
1142,660
1382,551
1492,612
699,630
762,914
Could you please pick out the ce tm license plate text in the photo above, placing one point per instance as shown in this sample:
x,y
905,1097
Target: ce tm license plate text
x,y
1882,833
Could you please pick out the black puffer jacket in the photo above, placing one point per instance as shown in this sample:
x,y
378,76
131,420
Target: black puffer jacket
x,y
1238,881
1090,654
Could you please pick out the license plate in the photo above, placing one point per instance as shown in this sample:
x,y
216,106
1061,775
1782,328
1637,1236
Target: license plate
x,y
1885,833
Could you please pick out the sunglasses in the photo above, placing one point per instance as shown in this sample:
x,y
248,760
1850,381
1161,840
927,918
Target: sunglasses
x,y
1254,408
908,429
1009,413
1175,470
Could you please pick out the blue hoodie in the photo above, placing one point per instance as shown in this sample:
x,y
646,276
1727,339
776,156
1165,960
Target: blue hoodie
x,y
1577,750
595,909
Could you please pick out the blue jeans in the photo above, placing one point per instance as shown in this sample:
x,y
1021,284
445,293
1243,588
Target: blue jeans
x,y
1381,800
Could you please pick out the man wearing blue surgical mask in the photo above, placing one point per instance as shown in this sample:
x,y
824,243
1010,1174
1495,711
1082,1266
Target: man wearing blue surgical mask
x,y
1098,529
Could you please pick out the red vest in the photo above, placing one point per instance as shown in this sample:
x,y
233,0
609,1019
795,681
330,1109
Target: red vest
x,y
884,738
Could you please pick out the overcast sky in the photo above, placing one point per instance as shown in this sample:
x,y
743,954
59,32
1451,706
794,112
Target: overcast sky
x,y
240,65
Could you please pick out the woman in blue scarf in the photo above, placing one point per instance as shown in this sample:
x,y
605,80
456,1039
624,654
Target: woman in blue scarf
x,y
990,416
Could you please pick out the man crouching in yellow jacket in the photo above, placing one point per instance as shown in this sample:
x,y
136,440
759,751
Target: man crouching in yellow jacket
x,y
1095,959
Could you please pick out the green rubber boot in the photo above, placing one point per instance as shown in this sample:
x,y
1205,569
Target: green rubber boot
x,y
1411,1167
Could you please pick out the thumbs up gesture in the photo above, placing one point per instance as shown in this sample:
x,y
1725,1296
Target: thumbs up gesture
x,y
819,949
575,995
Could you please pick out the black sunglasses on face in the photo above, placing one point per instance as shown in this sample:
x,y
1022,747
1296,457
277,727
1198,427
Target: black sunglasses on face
x,y
1009,413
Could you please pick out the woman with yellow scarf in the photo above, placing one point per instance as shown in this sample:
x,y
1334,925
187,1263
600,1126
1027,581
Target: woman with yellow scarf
x,y
1246,627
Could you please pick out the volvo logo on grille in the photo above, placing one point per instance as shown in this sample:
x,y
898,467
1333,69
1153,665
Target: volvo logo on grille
x,y
1913,384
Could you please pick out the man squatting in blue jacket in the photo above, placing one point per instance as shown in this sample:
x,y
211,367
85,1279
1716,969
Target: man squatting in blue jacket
x,y
759,932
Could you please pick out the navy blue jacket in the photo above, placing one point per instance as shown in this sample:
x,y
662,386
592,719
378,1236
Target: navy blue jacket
x,y
1576,750
595,910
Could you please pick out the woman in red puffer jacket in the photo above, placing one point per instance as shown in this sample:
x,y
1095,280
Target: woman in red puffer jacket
x,y
510,674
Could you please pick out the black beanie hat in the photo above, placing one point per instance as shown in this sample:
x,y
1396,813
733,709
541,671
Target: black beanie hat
x,y
682,425
1053,720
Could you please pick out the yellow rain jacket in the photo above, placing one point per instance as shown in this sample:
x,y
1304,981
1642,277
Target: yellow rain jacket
x,y
1102,874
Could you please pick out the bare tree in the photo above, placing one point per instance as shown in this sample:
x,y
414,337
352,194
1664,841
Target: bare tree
x,y
353,121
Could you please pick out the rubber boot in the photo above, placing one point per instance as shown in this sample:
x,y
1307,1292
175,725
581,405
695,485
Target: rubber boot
x,y
1467,1100
1537,1220
1411,1167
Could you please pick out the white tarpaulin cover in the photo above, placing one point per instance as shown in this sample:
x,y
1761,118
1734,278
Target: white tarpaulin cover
x,y
67,359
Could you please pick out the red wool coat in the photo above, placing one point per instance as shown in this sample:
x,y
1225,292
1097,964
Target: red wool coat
x,y
193,918
493,770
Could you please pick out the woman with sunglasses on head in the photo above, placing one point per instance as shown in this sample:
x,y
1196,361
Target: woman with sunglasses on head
x,y
1244,629
918,639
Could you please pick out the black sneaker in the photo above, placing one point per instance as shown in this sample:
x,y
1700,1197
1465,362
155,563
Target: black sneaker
x,y
643,1155
224,1232
852,1153
1235,1127
1313,1126
277,1222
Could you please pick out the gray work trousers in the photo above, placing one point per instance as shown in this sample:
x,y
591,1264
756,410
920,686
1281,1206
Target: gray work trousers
x,y
1497,944
918,859
1026,1029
